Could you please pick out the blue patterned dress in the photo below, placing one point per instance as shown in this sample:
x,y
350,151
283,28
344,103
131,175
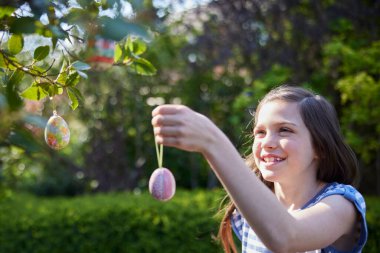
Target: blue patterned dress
x,y
252,244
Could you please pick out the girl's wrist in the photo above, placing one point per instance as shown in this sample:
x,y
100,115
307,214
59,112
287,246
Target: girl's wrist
x,y
214,144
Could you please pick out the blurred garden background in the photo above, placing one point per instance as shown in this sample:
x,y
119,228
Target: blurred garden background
x,y
104,65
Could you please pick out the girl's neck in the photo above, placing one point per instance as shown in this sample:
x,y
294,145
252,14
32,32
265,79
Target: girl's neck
x,y
295,196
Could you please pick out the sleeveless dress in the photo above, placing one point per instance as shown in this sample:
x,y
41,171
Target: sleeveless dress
x,y
252,244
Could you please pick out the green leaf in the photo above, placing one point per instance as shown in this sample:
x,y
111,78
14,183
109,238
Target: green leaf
x,y
15,78
73,79
30,92
117,29
2,62
6,11
36,70
82,74
41,53
138,47
143,67
7,58
73,98
59,90
77,93
62,76
53,90
23,25
76,16
13,98
54,41
58,32
118,53
39,7
15,44
78,65
34,92
128,45
84,3
23,138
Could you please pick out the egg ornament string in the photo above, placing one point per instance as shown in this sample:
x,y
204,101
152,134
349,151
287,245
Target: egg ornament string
x,y
162,183
57,132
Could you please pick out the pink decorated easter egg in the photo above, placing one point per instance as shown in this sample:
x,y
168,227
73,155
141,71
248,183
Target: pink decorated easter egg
x,y
57,132
162,184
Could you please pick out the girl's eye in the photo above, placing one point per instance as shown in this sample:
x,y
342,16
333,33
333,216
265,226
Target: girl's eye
x,y
285,130
259,133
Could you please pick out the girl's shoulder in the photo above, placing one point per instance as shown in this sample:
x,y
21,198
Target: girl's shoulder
x,y
347,191
354,196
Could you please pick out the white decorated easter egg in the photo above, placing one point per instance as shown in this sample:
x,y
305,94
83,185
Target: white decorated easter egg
x,y
57,132
162,184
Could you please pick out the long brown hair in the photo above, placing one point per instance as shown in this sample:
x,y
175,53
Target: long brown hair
x,y
337,161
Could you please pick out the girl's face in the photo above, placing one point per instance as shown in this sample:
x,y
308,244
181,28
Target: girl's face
x,y
282,144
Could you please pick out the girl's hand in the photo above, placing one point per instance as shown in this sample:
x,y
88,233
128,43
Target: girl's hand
x,y
180,127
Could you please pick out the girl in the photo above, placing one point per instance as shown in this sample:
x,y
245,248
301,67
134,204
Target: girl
x,y
293,193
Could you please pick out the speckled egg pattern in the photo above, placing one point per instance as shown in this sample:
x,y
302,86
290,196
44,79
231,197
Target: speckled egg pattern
x,y
57,132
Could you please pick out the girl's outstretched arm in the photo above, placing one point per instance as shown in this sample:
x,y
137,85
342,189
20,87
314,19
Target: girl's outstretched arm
x,y
316,227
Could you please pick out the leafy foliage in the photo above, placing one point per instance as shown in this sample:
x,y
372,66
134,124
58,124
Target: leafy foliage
x,y
219,59
110,223
129,51
125,222
45,56
373,218
86,18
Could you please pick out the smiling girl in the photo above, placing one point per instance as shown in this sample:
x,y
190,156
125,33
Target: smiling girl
x,y
293,193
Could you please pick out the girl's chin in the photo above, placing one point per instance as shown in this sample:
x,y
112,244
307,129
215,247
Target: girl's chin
x,y
269,175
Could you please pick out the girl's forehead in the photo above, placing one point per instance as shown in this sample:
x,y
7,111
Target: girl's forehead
x,y
278,110
279,106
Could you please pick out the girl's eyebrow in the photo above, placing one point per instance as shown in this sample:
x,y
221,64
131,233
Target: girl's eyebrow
x,y
286,123
282,123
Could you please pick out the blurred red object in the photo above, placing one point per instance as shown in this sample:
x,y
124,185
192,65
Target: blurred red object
x,y
101,53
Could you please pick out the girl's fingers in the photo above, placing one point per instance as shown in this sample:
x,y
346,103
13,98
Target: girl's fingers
x,y
176,142
165,120
170,115
167,109
166,131
179,126
168,141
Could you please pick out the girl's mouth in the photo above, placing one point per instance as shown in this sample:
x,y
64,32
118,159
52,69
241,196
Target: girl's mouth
x,y
272,159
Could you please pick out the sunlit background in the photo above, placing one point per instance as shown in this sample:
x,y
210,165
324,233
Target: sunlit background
x,y
217,57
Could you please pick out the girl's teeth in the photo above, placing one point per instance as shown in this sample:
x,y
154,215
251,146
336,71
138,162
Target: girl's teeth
x,y
272,159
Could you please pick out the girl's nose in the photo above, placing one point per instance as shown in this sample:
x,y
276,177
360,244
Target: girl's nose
x,y
269,141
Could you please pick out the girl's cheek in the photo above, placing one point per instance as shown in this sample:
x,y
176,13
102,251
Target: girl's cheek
x,y
286,144
255,147
256,152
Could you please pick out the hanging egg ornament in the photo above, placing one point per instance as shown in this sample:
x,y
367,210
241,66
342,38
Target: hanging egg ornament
x,y
57,132
101,53
162,184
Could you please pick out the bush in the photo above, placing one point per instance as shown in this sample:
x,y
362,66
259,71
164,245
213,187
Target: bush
x,y
119,222
124,222
373,221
